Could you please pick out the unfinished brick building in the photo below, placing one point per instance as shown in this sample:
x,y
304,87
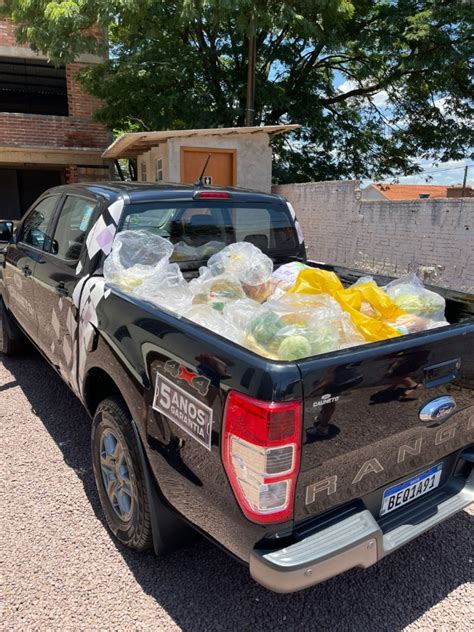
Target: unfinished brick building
x,y
47,134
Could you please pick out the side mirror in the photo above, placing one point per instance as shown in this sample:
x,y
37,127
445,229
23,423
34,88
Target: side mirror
x,y
6,231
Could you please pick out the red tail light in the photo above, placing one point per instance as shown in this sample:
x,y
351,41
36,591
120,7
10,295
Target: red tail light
x,y
261,455
211,195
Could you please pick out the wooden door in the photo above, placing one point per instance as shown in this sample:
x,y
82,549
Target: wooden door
x,y
221,168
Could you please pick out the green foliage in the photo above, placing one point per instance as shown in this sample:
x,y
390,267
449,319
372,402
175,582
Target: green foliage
x,y
184,64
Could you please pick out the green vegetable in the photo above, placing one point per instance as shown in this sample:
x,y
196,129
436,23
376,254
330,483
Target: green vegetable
x,y
265,327
294,347
324,340
422,304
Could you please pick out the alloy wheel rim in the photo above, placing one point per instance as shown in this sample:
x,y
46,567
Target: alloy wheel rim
x,y
115,472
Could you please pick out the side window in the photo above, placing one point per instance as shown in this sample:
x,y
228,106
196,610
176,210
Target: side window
x,y
72,226
35,227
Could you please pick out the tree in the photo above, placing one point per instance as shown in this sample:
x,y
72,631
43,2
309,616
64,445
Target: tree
x,y
377,85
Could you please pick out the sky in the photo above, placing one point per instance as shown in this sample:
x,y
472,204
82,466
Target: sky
x,y
447,173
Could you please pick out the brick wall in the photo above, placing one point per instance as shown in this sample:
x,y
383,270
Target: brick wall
x,y
432,237
76,130
53,131
7,34
80,103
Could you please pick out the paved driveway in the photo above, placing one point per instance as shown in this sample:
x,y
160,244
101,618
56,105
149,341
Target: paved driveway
x,y
62,570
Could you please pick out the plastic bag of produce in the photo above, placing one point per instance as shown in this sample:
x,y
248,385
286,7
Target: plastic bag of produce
x,y
240,313
321,308
298,327
135,256
168,289
317,281
371,300
244,261
412,297
281,336
363,302
216,291
211,319
410,324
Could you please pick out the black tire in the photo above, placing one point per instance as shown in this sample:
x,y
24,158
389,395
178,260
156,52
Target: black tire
x,y
126,505
12,339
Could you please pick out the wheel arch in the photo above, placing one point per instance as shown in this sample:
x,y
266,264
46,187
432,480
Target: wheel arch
x,y
99,385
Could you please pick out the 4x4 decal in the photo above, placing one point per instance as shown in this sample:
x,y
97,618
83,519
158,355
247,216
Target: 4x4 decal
x,y
198,382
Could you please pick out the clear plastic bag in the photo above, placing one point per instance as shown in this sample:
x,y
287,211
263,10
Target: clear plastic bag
x,y
412,297
244,261
284,278
211,319
365,303
168,289
297,326
216,291
240,313
135,256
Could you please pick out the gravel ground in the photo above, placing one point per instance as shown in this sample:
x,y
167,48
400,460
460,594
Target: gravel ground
x,y
62,570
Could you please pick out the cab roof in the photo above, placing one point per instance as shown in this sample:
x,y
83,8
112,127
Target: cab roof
x,y
152,192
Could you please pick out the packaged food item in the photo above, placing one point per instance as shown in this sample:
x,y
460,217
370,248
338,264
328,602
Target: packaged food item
x,y
259,293
211,319
244,261
412,297
136,255
216,291
284,277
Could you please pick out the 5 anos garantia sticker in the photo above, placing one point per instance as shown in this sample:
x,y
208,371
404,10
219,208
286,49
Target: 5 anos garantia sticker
x,y
183,409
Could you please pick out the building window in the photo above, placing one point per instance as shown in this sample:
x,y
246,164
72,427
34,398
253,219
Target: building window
x,y
32,86
159,170
143,171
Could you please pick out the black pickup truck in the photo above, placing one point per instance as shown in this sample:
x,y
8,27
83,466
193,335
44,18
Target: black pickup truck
x,y
301,469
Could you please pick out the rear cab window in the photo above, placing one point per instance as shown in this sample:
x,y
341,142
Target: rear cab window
x,y
72,226
198,229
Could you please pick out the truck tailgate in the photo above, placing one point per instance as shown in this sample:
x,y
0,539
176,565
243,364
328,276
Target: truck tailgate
x,y
362,429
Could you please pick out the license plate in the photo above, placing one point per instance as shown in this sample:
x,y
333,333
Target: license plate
x,y
403,493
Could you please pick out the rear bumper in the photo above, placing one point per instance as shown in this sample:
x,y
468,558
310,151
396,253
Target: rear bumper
x,y
354,541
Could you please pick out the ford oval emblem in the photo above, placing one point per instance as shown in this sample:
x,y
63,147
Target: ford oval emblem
x,y
438,409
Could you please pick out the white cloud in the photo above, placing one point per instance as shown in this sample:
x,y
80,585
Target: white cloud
x,y
379,98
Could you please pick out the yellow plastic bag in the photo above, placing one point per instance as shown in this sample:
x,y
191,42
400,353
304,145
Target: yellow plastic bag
x,y
352,300
317,281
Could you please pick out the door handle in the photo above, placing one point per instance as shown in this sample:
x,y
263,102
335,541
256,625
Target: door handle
x,y
61,289
27,271
442,373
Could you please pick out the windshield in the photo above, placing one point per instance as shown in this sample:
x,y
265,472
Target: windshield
x,y
199,229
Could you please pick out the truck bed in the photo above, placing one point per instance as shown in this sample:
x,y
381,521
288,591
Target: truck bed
x,y
361,407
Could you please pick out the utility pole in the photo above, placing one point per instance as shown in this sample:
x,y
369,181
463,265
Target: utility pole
x,y
252,62
463,193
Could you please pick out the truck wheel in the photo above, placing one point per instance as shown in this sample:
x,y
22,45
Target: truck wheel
x,y
119,475
12,339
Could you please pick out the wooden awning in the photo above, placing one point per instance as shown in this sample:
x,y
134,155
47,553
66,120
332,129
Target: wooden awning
x,y
132,144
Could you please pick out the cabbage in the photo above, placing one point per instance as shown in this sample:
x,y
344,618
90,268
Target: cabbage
x,y
265,327
294,347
